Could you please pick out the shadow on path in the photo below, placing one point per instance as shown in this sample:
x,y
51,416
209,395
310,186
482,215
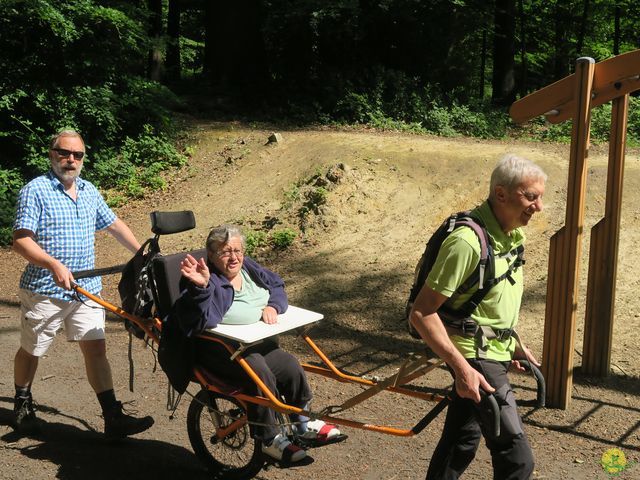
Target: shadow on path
x,y
81,454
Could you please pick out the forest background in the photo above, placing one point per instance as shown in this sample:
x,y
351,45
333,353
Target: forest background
x,y
129,75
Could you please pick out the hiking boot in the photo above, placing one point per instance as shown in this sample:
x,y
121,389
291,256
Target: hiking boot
x,y
282,449
117,424
24,415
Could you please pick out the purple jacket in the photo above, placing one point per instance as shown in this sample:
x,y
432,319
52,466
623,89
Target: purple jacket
x,y
201,308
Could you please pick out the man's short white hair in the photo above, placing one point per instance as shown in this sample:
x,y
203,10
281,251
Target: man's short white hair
x,y
512,170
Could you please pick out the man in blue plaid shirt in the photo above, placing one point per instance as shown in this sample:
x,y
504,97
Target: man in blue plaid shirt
x,y
57,216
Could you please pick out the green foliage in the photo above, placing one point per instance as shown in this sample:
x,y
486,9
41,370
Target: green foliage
x,y
77,64
279,239
254,240
10,184
138,165
314,199
283,238
191,56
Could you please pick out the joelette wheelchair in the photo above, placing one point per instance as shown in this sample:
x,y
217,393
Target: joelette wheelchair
x,y
217,423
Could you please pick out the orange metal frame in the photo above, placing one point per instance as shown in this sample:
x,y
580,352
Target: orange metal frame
x,y
394,384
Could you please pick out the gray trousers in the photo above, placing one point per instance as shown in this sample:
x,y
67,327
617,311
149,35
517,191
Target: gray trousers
x,y
511,454
280,371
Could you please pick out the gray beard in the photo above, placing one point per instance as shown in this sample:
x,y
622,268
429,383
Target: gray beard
x,y
65,175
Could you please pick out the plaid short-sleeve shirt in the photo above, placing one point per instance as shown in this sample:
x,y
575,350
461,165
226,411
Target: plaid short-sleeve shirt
x,y
63,228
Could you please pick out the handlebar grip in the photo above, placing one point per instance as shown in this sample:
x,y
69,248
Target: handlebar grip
x,y
96,272
488,401
541,384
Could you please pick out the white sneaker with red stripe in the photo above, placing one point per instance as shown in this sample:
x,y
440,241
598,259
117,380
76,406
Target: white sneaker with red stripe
x,y
282,449
319,431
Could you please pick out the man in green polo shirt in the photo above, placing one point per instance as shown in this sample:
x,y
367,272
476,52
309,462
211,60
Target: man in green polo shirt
x,y
477,361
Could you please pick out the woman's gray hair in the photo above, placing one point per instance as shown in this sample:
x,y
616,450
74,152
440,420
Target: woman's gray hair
x,y
65,132
512,170
222,234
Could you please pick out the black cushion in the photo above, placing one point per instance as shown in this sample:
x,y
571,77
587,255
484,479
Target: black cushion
x,y
166,275
176,352
165,223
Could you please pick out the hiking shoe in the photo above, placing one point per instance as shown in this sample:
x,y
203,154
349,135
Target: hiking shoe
x,y
321,432
24,415
282,449
117,424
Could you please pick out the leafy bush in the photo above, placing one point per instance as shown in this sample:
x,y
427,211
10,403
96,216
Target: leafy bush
x,y
10,184
76,64
284,238
254,240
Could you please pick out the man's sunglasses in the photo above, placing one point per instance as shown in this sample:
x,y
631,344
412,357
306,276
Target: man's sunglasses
x,y
67,153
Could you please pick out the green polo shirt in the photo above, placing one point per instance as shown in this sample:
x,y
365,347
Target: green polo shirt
x,y
458,257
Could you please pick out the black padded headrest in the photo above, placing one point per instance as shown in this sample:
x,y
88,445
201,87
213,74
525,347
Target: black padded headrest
x,y
164,223
166,275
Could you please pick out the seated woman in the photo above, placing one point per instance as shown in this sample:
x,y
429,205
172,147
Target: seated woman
x,y
232,289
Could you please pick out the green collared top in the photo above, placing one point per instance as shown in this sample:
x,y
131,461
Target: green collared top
x,y
457,259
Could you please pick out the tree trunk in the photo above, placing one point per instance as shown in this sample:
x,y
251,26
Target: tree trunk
x,y
583,28
483,63
235,55
562,56
524,65
616,32
209,67
155,64
503,80
173,44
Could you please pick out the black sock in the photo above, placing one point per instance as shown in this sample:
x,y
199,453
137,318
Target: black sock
x,y
23,392
107,400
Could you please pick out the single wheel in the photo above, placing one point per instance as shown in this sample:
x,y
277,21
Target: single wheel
x,y
236,456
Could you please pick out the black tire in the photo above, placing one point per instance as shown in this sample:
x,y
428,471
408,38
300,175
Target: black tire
x,y
237,456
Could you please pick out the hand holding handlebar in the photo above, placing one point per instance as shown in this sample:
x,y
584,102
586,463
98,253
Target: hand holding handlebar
x,y
61,275
469,383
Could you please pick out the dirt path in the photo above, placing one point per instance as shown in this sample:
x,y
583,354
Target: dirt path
x,y
354,264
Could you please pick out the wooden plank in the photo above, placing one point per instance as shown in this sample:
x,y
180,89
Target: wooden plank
x,y
565,289
594,284
543,100
613,77
599,316
552,336
603,95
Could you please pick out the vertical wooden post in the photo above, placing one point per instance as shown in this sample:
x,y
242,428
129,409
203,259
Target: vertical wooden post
x,y
565,249
603,254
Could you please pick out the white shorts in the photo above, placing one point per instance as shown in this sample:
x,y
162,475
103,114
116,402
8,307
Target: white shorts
x,y
42,317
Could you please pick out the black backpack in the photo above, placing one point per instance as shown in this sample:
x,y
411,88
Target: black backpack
x,y
483,275
135,286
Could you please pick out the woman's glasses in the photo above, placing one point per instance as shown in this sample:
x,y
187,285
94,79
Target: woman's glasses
x,y
228,253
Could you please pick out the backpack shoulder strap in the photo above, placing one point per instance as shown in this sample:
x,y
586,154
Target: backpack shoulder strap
x,y
484,270
430,253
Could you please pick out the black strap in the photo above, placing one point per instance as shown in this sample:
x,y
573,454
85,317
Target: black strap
x,y
466,309
131,366
469,328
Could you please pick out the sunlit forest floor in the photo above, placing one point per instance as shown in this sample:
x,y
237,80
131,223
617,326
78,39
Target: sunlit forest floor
x,y
353,261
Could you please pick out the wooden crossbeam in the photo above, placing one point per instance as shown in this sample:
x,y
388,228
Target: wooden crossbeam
x,y
612,78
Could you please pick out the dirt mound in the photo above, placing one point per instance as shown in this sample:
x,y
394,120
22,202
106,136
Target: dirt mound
x,y
363,204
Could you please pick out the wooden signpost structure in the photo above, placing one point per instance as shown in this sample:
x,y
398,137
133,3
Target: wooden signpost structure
x,y
572,98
